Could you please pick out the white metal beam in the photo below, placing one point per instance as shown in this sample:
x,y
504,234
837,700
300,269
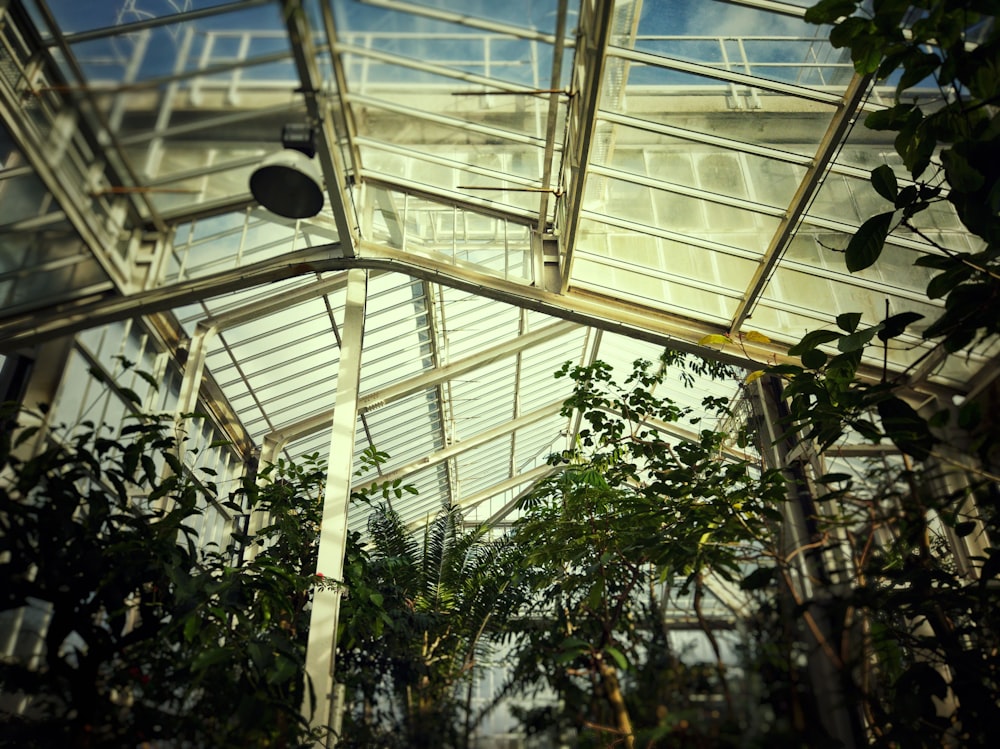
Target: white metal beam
x,y
828,148
586,308
429,379
457,448
301,36
595,30
333,528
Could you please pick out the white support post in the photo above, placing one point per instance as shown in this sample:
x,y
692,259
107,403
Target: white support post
x,y
333,530
194,368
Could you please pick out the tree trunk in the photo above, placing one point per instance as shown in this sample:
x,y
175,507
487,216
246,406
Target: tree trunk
x,y
612,688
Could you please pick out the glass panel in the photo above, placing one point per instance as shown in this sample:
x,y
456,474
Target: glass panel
x,y
745,40
74,16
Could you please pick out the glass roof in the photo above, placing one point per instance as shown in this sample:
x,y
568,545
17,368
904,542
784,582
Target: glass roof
x,y
526,183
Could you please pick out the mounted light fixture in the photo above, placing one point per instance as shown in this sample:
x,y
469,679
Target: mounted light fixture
x,y
290,182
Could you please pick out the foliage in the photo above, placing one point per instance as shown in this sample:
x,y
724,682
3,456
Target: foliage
x,y
913,631
422,613
948,142
141,634
632,512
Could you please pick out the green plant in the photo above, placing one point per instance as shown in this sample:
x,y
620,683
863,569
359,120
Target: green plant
x,y
422,611
913,634
633,510
131,631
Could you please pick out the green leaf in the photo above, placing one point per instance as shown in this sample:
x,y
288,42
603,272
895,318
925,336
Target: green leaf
x,y
153,383
814,358
24,435
260,654
833,478
867,243
857,341
759,578
905,427
965,528
284,669
618,657
893,326
850,33
917,66
884,182
962,176
942,284
889,119
811,340
829,11
131,395
574,643
906,199
208,658
848,321
191,627
940,262
990,568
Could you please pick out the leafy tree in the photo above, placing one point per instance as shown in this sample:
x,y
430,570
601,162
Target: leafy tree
x,y
949,143
140,634
916,635
633,510
422,612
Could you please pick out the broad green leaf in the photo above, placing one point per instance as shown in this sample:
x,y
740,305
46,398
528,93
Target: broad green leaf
x,y
812,339
850,33
965,528
905,427
940,262
906,200
867,243
755,337
833,478
759,578
858,340
191,627
153,382
942,284
618,657
207,658
829,11
884,182
917,66
131,395
848,321
894,325
814,358
962,175
889,119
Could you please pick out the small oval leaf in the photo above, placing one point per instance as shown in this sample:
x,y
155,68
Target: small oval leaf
x,y
866,245
884,182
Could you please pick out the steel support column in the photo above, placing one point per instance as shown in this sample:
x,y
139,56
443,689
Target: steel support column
x,y
333,530
808,570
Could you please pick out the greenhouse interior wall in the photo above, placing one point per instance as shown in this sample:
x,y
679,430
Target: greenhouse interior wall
x,y
506,187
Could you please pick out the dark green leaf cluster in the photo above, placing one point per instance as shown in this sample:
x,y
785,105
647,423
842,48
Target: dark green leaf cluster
x,y
825,399
630,511
948,54
142,634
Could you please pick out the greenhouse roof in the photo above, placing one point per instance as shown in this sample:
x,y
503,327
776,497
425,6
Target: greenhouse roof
x,y
524,183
